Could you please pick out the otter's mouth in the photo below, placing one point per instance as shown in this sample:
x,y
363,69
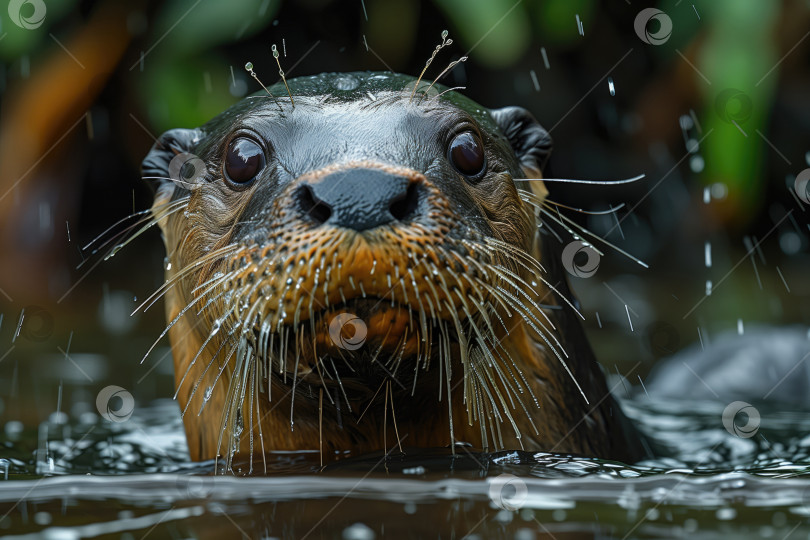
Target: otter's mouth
x,y
340,308
356,345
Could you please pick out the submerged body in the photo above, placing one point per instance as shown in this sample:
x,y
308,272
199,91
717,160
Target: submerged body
x,y
361,271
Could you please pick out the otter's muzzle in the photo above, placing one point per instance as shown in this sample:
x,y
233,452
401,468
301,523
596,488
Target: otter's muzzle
x,y
359,199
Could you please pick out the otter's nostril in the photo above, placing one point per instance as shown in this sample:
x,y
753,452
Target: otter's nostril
x,y
310,205
404,207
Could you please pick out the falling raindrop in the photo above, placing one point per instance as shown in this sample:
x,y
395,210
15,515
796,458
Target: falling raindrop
x,y
548,66
534,80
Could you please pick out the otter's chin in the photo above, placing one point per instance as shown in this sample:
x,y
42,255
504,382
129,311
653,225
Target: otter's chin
x,y
367,328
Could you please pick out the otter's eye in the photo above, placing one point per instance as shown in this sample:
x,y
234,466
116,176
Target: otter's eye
x,y
466,153
245,159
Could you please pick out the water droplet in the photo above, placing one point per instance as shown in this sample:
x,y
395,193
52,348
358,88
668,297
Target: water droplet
x,y
346,83
208,392
249,66
42,518
719,190
445,33
725,514
358,531
697,164
275,50
289,281
790,242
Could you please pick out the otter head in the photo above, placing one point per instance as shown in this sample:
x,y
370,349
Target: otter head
x,y
359,266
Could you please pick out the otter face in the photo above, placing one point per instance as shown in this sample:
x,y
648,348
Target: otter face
x,y
362,236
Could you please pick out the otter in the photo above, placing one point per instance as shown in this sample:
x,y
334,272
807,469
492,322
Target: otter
x,y
354,267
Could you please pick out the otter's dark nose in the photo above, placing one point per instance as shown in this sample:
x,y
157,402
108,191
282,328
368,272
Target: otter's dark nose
x,y
359,199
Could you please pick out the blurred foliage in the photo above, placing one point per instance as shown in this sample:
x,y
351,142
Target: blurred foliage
x,y
188,55
555,23
729,62
18,41
499,30
194,52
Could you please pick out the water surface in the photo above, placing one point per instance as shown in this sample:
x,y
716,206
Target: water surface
x,y
132,479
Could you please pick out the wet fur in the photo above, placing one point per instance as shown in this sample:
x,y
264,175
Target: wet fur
x,y
228,249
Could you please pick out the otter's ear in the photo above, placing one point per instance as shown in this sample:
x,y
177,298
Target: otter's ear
x,y
528,139
155,166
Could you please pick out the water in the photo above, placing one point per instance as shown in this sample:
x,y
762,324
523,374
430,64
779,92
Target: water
x,y
95,478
